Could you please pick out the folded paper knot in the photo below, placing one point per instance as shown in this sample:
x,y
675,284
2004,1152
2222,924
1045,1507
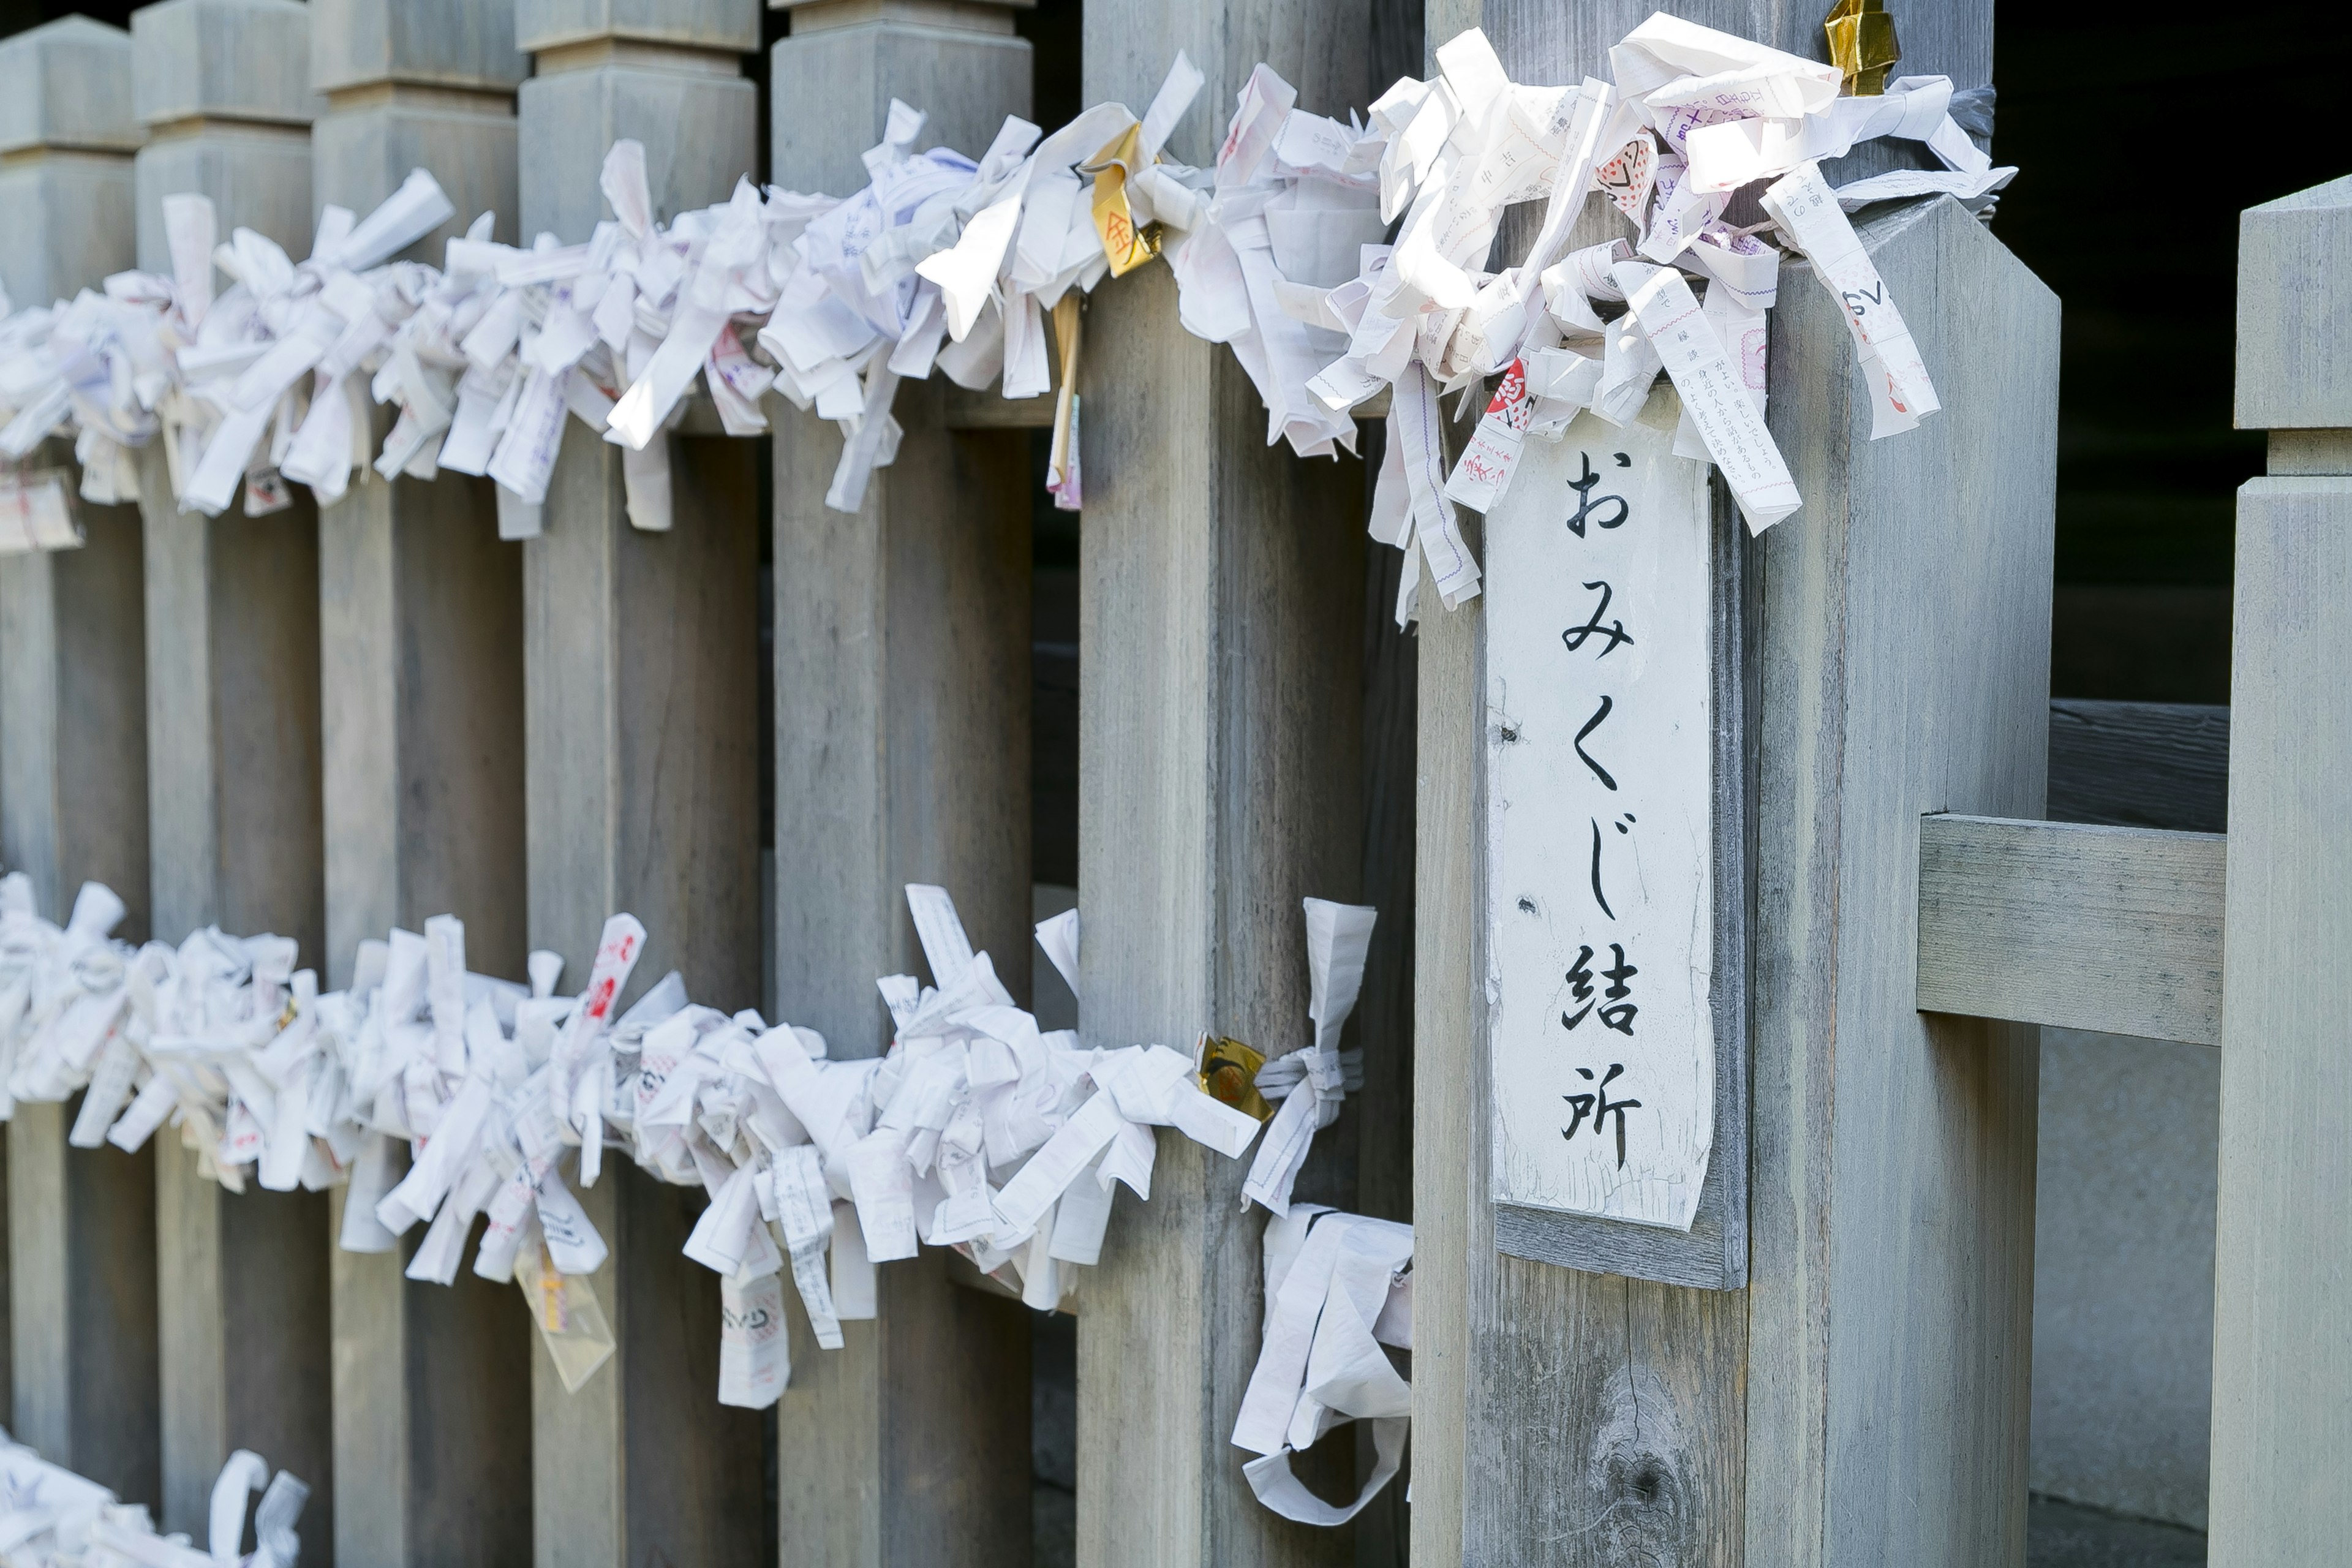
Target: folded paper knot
x,y
1338,1287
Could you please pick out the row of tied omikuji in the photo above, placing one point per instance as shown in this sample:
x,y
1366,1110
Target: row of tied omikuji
x,y
447,1099
1339,260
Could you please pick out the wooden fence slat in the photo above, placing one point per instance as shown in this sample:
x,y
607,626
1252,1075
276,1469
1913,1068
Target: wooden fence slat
x,y
1221,779
234,769
2282,1319
2112,928
73,790
640,659
902,756
421,679
1575,1417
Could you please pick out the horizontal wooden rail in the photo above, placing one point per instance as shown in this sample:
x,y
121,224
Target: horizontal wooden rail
x,y
2084,927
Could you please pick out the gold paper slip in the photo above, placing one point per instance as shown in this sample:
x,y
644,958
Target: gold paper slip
x,y
1128,245
1229,1073
1863,44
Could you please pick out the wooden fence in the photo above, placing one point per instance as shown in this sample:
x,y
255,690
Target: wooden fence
x,y
329,720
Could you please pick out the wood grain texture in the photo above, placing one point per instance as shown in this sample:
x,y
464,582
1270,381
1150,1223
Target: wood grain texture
x,y
837,83
1381,1114
226,60
1453,1256
1784,1402
70,222
1511,1496
640,675
902,722
2139,765
438,43
235,839
2310,452
242,1296
73,712
422,703
699,131
2112,928
2282,1322
729,26
640,659
73,794
421,662
66,83
363,147
1905,671
1221,634
81,1243
2295,310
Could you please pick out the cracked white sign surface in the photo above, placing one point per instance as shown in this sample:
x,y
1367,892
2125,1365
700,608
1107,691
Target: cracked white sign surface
x,y
1599,830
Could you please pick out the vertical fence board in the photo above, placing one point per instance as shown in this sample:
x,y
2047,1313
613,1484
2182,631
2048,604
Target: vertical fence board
x,y
902,756
233,766
2280,1367
73,790
640,673
1220,720
421,675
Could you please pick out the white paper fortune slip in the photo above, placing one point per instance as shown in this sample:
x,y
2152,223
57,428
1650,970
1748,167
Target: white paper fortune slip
x,y
1600,825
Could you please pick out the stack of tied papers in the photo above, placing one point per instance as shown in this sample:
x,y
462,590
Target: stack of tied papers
x,y
441,1096
1341,260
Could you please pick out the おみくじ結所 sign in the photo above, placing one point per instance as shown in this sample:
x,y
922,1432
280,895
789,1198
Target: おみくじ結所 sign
x,y
1602,831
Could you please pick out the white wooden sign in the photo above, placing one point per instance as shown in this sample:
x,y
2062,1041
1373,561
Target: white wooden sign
x,y
1600,835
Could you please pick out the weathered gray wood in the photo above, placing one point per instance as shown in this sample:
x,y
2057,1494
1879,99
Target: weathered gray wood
x,y
223,88
1865,1400
73,789
243,1299
2295,311
1453,1223
82,1242
2139,765
421,650
846,59
2310,452
1869,1112
1220,758
640,679
902,756
1222,638
2282,1323
2112,928
902,686
640,674
986,410
1506,1469
421,676
67,133
662,71
232,748
73,709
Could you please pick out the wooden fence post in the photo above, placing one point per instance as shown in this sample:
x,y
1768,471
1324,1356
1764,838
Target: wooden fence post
x,y
1220,717
2280,1318
902,756
640,661
73,789
1865,1399
420,626
223,86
